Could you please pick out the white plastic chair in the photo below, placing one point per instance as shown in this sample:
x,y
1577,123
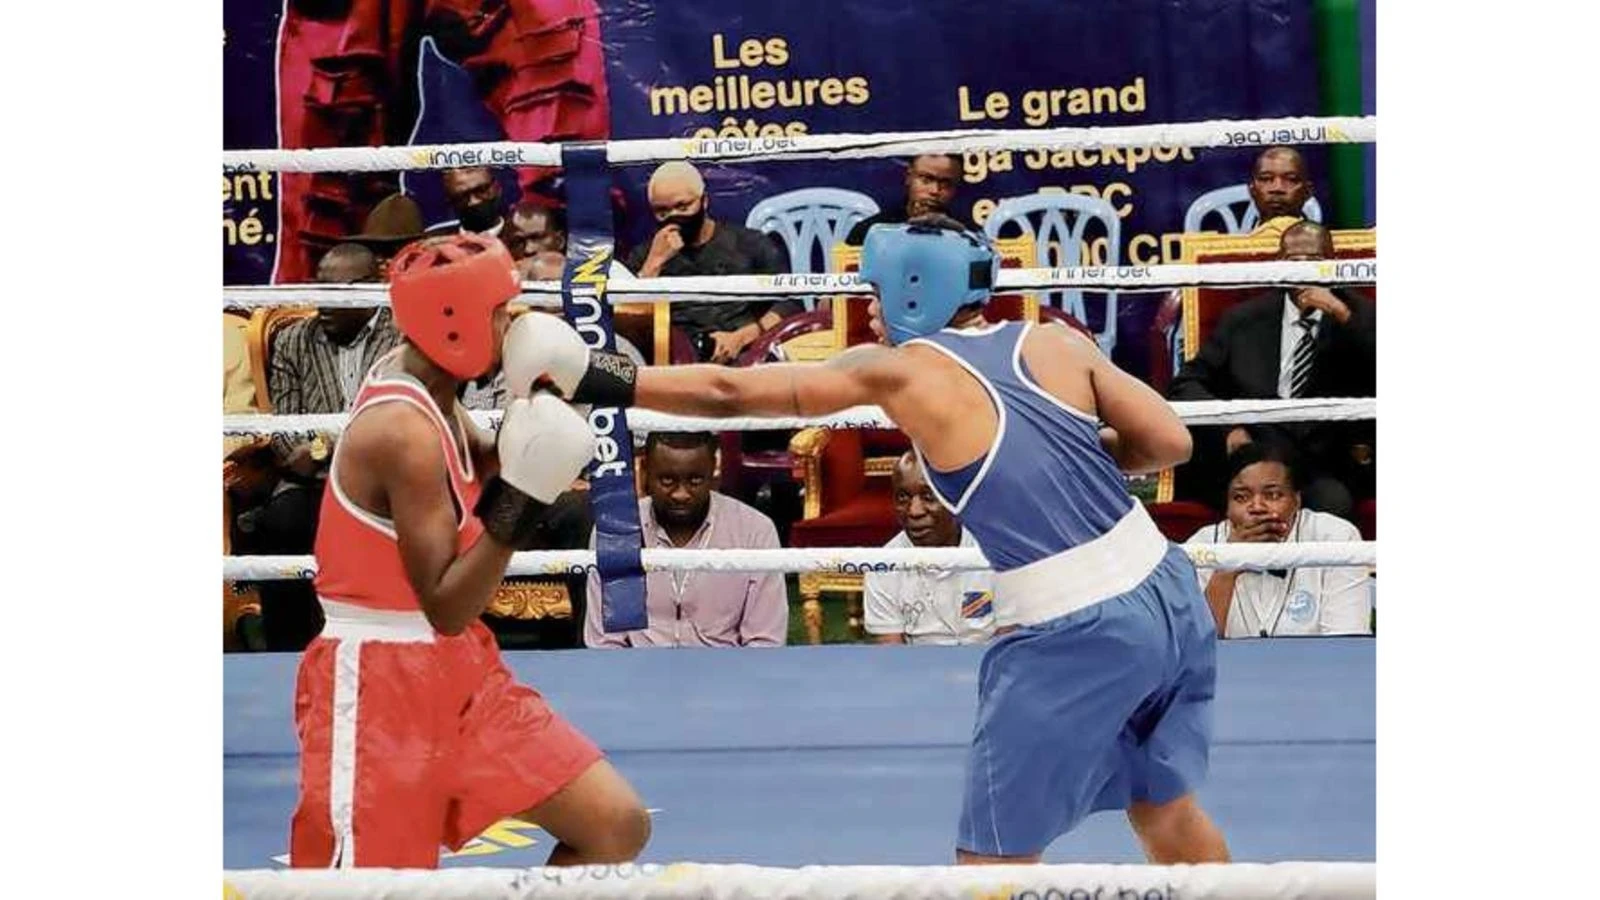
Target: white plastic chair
x,y
1060,236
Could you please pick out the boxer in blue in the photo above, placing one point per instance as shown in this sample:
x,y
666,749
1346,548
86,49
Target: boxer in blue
x,y
1098,696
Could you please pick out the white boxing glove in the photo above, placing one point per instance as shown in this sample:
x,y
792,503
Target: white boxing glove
x,y
544,445
543,350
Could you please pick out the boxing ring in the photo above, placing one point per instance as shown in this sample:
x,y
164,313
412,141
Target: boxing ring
x,y
847,760
852,754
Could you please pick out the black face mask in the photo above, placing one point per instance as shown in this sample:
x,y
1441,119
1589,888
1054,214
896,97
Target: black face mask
x,y
688,225
480,217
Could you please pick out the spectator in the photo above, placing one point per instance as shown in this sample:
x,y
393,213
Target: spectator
x,y
393,223
474,195
697,609
316,366
1279,187
1264,507
927,607
689,242
535,228
931,182
1283,343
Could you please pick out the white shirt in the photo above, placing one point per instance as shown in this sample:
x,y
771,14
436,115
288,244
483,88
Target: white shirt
x,y
1289,338
931,607
1310,601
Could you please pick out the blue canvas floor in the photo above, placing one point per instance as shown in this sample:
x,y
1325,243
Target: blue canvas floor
x,y
853,754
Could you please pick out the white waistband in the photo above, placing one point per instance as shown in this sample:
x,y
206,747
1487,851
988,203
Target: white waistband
x,y
1111,564
349,622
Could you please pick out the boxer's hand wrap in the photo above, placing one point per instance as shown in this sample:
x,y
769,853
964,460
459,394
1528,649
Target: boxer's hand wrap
x,y
511,517
543,351
608,381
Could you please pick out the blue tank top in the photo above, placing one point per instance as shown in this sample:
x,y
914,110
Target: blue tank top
x,y
1046,484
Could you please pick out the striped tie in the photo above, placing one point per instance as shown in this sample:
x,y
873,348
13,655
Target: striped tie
x,y
1304,353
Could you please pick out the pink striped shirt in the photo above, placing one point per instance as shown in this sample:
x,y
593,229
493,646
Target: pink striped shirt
x,y
704,609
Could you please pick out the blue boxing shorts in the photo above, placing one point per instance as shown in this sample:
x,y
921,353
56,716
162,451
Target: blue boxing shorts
x,y
1090,711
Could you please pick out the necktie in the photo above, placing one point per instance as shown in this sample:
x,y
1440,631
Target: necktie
x,y
1304,353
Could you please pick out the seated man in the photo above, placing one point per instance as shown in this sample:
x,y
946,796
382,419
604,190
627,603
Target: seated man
x,y
697,609
535,228
1279,187
395,222
316,366
931,182
914,607
475,196
1285,343
690,242
1264,507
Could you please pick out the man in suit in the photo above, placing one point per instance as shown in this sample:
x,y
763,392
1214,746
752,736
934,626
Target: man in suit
x,y
1286,343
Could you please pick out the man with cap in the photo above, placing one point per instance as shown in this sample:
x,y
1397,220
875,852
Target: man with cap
x,y
413,732
1098,696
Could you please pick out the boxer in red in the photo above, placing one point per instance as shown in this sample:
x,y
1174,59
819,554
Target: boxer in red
x,y
413,733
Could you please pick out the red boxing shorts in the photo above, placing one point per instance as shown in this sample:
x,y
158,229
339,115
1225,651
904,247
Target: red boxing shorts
x,y
410,740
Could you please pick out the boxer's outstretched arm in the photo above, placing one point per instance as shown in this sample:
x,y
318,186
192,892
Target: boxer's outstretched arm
x,y
402,451
857,377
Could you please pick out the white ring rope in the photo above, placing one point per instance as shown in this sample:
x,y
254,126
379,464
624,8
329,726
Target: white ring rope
x,y
841,560
1237,881
733,288
1214,133
644,421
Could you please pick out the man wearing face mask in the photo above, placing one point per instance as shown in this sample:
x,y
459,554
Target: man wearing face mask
x,y
689,242
474,194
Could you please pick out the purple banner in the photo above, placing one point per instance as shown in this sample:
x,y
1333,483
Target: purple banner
x,y
312,73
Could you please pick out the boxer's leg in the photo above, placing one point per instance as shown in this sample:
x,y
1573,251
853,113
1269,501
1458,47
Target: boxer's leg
x,y
517,758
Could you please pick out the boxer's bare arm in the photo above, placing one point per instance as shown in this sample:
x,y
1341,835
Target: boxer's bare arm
x,y
1147,435
860,376
401,451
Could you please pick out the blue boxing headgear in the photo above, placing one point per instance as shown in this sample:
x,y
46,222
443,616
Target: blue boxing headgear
x,y
924,273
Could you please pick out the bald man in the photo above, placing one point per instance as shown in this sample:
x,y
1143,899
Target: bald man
x,y
913,607
689,242
1288,343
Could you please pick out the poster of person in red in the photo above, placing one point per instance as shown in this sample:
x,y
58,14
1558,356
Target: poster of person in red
x,y
348,77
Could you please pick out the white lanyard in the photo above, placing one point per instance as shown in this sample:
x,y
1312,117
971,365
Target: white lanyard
x,y
679,588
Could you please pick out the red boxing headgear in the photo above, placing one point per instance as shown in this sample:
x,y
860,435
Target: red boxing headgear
x,y
444,292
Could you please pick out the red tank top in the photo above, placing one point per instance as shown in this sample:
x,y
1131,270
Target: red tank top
x,y
358,557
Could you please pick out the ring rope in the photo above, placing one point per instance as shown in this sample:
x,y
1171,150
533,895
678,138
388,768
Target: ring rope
x,y
1213,133
1192,412
842,560
1236,881
733,288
